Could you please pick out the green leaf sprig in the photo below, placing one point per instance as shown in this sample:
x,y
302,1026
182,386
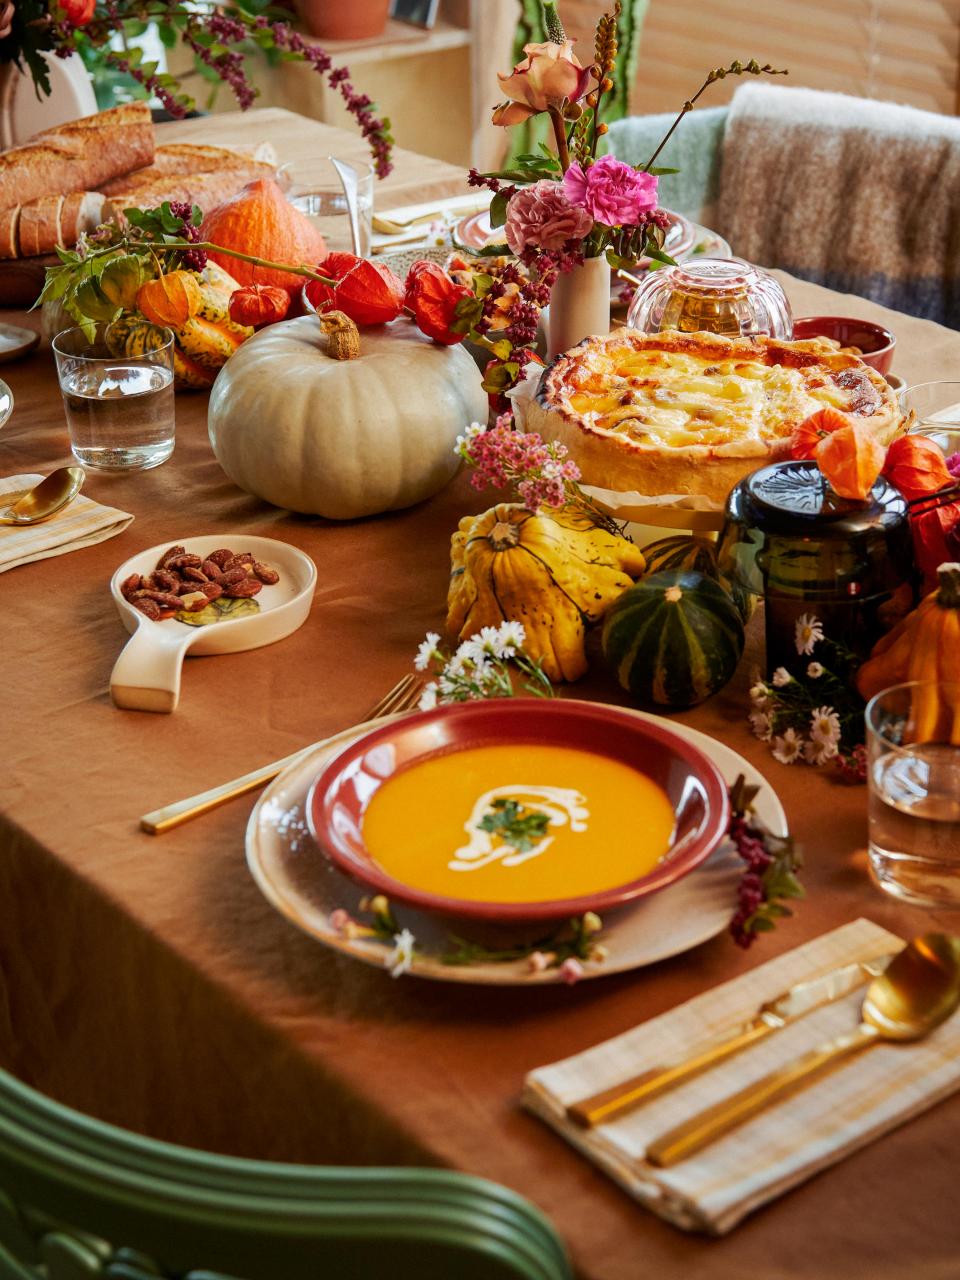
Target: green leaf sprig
x,y
515,824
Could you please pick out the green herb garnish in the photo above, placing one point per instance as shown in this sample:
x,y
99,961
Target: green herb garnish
x,y
521,828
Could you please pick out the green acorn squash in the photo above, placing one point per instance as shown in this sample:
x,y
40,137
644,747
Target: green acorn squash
x,y
685,551
674,638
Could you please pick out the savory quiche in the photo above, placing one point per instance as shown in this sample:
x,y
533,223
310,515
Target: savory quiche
x,y
693,413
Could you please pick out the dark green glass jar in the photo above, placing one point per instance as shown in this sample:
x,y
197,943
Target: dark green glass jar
x,y
788,538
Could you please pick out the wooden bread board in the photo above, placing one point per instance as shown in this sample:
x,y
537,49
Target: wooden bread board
x,y
21,279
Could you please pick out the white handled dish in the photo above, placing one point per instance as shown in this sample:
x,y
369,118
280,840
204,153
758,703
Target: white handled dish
x,y
146,676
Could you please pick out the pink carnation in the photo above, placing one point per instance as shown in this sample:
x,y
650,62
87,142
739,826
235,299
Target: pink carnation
x,y
611,192
541,217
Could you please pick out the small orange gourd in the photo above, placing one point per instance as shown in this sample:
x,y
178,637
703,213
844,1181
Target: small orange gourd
x,y
262,222
925,646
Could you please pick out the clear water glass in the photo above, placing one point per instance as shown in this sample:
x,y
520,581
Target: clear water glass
x,y
315,189
937,406
717,295
913,751
119,408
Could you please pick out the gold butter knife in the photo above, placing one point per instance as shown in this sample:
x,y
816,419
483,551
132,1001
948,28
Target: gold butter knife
x,y
795,1003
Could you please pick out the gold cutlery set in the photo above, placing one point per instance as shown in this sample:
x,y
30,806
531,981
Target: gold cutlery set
x,y
910,994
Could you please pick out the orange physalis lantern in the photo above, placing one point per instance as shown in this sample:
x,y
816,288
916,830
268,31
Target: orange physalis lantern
x,y
259,304
806,437
171,299
916,466
850,460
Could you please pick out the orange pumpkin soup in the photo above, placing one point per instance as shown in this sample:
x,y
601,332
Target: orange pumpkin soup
x,y
518,823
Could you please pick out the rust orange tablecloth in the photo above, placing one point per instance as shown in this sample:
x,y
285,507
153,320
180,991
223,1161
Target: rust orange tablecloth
x,y
146,980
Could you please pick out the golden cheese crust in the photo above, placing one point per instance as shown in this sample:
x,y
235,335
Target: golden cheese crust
x,y
693,413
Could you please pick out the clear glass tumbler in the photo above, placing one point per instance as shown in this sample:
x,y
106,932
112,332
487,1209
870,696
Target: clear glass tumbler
x,y
913,747
119,408
937,406
316,190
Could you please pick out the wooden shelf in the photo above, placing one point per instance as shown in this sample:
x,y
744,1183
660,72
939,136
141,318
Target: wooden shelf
x,y
399,40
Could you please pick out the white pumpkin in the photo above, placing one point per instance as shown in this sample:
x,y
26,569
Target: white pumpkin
x,y
343,438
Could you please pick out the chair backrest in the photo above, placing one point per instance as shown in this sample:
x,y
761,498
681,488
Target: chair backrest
x,y
24,112
858,195
694,149
80,1199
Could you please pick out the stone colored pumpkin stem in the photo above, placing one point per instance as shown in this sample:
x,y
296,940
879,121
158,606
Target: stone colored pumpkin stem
x,y
948,576
504,535
343,335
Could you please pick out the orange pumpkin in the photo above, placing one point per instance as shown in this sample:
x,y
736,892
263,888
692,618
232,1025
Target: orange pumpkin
x,y
260,221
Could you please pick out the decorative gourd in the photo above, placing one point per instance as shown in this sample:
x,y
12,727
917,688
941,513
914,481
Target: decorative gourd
x,y
196,306
553,572
925,646
684,551
342,438
261,221
674,638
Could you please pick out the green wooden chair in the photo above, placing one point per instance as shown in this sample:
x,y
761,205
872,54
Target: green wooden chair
x,y
83,1200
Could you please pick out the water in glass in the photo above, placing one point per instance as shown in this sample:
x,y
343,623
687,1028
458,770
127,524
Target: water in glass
x,y
120,415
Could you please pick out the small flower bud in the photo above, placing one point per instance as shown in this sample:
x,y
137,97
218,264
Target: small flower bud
x,y
379,905
591,924
601,130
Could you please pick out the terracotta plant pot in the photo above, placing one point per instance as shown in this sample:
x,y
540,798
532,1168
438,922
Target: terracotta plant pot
x,y
344,19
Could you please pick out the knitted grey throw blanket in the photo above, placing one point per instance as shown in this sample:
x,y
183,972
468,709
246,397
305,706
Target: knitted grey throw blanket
x,y
860,196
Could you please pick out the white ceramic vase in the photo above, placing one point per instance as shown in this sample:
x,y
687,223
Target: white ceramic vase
x,y
579,305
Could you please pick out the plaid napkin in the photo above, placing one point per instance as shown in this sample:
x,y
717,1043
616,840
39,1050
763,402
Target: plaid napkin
x,y
712,1191
80,524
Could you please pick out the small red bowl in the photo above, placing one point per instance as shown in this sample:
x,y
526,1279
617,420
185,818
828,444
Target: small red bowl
x,y
876,342
695,787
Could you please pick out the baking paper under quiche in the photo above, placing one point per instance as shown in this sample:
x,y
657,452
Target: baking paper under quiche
x,y
693,413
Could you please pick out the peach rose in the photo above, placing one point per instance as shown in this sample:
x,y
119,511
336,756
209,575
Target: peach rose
x,y
548,76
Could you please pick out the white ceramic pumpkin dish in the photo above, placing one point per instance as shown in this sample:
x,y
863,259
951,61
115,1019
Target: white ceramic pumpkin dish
x,y
305,886
693,413
146,676
343,438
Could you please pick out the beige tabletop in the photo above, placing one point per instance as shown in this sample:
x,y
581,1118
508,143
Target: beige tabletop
x,y
146,980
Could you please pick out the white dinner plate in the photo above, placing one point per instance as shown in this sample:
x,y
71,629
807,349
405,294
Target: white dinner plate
x,y
298,879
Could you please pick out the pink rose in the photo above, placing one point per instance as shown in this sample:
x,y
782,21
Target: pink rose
x,y
549,75
612,192
541,217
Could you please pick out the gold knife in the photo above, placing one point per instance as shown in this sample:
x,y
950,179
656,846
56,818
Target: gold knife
x,y
795,1003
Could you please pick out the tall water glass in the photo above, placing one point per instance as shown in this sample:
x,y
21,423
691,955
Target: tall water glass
x,y
119,408
937,406
314,187
913,746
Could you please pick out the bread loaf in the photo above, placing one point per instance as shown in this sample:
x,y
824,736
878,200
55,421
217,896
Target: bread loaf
x,y
205,189
181,158
38,227
79,155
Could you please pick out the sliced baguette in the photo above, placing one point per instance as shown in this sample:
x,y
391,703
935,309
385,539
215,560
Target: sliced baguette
x,y
205,189
9,232
82,211
183,161
78,156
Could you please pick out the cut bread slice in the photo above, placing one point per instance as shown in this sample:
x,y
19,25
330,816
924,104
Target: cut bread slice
x,y
9,232
82,211
40,226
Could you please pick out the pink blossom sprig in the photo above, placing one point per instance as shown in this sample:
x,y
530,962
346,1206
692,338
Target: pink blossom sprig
x,y
541,473
772,864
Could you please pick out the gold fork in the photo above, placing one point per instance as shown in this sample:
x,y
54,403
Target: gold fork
x,y
404,696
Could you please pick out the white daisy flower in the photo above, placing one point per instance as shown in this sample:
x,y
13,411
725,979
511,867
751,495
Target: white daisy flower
x,y
787,748
513,636
473,651
809,630
814,670
761,725
819,753
400,958
428,699
489,641
427,651
825,727
781,677
759,694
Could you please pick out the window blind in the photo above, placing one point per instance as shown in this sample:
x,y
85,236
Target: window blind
x,y
905,51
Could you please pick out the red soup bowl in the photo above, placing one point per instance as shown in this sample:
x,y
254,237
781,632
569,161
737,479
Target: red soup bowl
x,y
695,787
876,342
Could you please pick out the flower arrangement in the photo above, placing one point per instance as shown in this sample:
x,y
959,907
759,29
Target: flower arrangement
x,y
480,668
772,863
560,206
815,716
220,37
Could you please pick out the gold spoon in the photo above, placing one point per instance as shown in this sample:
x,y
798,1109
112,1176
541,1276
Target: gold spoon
x,y
919,989
44,499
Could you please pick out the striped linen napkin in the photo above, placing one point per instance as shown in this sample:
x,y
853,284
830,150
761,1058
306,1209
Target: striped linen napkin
x,y
713,1190
81,524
